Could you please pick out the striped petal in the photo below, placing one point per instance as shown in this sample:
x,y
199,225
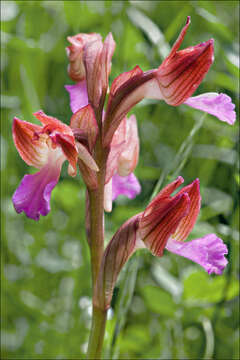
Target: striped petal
x,y
31,147
158,223
84,121
187,223
182,71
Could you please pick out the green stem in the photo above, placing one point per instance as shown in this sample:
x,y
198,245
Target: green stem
x,y
97,333
96,209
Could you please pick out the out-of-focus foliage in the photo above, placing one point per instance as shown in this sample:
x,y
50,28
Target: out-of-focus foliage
x,y
165,308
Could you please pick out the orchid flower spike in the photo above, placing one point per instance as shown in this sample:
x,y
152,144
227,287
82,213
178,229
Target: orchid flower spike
x,y
46,148
165,224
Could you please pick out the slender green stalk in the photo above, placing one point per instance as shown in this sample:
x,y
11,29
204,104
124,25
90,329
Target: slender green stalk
x,y
97,333
96,211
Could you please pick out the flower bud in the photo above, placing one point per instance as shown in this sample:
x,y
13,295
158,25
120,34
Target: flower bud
x,y
76,68
97,60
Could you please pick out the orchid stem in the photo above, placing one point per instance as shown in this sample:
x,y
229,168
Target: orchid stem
x,y
99,317
96,209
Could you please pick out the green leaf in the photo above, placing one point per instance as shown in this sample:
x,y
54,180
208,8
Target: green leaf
x,y
200,288
159,301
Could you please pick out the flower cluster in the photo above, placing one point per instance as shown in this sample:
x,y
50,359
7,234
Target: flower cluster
x,y
96,130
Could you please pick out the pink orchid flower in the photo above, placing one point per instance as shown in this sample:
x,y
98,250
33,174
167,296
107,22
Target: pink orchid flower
x,y
174,81
46,148
165,224
168,220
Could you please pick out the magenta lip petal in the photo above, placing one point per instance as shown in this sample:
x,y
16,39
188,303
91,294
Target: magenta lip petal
x,y
125,185
78,95
207,251
34,192
219,105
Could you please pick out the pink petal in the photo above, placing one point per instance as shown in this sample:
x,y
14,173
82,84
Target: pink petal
x,y
78,95
128,159
125,185
219,105
117,147
32,149
34,192
207,251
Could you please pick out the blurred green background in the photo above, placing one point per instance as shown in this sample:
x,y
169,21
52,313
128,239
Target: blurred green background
x,y
163,308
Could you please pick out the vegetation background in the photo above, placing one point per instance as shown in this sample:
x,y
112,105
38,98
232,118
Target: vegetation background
x,y
163,308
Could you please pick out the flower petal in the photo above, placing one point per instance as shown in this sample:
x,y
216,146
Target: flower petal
x,y
128,159
159,222
207,251
69,149
32,149
34,192
78,95
125,185
86,157
117,147
52,124
187,223
219,105
127,90
179,76
85,121
182,71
